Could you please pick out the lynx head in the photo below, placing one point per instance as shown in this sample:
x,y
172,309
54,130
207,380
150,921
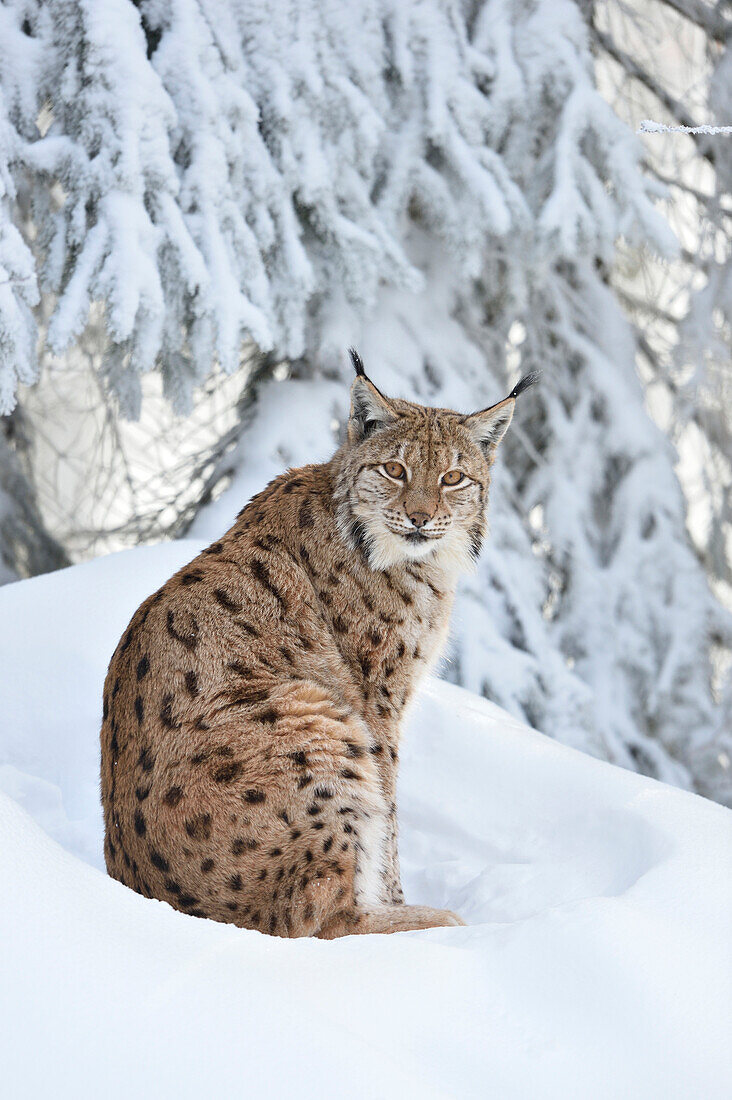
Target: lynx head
x,y
413,481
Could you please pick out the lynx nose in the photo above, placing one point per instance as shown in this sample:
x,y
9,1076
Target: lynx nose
x,y
418,519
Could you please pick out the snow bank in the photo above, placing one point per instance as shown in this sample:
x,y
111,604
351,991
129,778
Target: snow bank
x,y
596,962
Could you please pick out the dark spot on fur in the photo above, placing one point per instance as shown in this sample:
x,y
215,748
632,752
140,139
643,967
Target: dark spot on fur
x,y
199,828
254,796
172,886
143,667
348,773
248,629
140,823
303,781
146,759
322,792
295,834
305,515
191,578
298,758
166,714
226,601
261,573
158,860
262,875
139,709
365,664
267,543
270,716
374,637
187,900
308,856
214,548
477,534
340,625
232,906
235,882
191,682
141,793
173,796
207,865
240,669
227,772
187,637
314,809
328,844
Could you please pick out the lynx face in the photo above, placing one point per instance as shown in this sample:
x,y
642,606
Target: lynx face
x,y
414,483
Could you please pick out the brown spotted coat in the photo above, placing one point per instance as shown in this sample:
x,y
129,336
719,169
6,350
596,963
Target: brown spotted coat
x,y
252,709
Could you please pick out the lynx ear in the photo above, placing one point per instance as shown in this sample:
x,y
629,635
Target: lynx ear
x,y
488,426
370,410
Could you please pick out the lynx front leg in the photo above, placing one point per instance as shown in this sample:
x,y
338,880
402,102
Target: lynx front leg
x,y
394,889
386,742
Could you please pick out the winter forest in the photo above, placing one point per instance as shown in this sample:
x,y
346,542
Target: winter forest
x,y
203,203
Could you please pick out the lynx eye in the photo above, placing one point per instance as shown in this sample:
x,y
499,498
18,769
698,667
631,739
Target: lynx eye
x,y
453,477
394,470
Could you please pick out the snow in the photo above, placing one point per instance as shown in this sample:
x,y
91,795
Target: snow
x,y
596,961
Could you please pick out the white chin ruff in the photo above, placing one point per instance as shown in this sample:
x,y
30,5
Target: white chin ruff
x,y
451,551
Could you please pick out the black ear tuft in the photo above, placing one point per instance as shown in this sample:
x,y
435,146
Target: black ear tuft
x,y
524,383
357,363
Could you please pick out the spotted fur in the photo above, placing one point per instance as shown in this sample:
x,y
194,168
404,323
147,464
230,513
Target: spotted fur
x,y
252,710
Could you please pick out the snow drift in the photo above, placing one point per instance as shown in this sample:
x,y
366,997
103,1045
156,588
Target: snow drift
x,y
596,961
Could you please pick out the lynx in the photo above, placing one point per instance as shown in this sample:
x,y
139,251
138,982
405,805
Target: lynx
x,y
252,709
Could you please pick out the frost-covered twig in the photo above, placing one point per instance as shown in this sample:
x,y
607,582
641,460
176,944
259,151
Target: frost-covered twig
x,y
648,126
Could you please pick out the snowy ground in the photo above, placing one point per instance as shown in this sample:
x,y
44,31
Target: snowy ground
x,y
597,962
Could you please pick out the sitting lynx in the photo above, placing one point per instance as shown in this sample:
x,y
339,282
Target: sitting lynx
x,y
252,709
